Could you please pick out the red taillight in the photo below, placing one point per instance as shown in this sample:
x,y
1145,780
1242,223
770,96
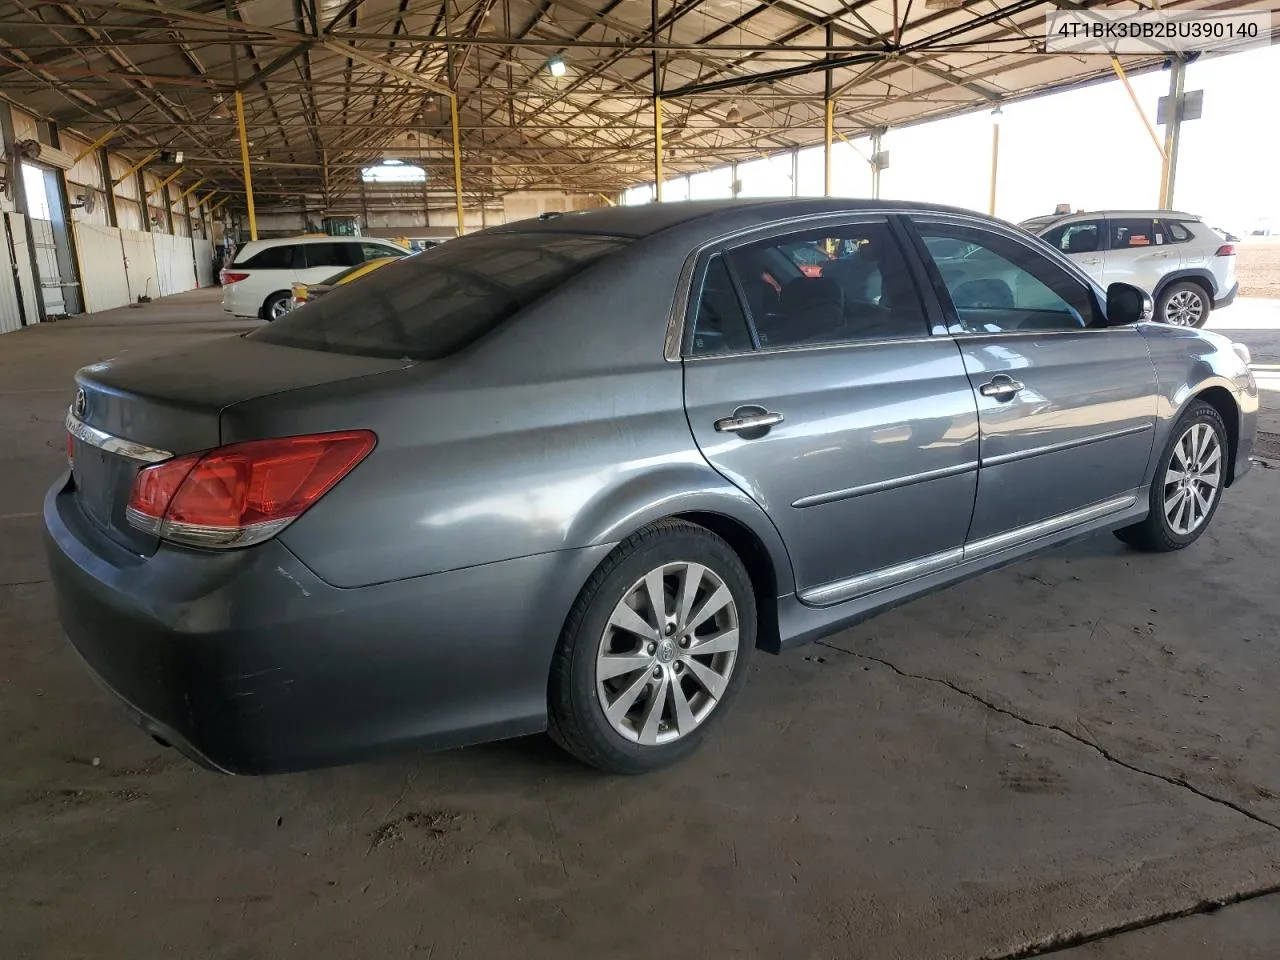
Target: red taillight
x,y
244,493
71,449
227,276
1226,250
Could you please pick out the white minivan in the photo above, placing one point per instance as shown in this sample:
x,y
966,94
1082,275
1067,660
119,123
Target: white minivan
x,y
259,280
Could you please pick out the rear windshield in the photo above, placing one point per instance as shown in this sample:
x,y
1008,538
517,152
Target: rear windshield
x,y
434,303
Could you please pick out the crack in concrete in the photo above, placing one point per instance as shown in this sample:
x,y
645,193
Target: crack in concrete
x,y
1062,942
1066,941
1085,741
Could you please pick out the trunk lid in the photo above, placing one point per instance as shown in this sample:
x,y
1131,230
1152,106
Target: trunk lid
x,y
171,405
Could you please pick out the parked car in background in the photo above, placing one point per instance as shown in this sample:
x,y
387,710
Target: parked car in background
x,y
567,474
1187,268
303,292
259,279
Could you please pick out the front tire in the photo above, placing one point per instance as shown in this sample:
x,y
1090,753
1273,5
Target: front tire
x,y
654,650
1188,483
1184,305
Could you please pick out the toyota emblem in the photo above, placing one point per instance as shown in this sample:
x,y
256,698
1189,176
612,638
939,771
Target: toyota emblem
x,y
82,403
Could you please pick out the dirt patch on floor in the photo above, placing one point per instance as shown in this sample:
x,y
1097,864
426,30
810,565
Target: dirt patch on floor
x,y
1258,267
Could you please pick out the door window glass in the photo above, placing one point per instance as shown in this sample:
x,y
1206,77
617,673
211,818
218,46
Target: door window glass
x,y
831,285
1127,234
327,254
1085,237
1000,285
720,325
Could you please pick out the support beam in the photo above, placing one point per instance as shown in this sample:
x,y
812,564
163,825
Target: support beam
x,y
164,183
1172,130
995,159
1137,105
829,118
134,169
244,162
101,141
657,149
191,189
457,160
875,163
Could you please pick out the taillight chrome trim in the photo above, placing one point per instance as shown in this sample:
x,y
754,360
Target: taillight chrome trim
x,y
113,444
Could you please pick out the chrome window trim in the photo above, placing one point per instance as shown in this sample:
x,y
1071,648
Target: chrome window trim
x,y
1065,445
807,347
882,485
839,591
674,338
113,444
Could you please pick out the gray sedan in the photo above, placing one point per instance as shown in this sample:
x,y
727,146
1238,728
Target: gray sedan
x,y
568,474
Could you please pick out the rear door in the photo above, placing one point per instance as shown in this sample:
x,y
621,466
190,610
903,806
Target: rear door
x,y
320,261
826,400
1138,253
1066,406
1084,241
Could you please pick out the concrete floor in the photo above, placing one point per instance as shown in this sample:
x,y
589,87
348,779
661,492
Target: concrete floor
x,y
1082,747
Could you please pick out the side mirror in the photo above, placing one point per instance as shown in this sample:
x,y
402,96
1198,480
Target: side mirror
x,y
1127,304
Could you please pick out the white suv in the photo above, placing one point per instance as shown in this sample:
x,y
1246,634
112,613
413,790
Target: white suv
x,y
260,278
1186,266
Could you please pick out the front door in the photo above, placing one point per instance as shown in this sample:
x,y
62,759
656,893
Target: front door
x,y
823,397
1066,405
1084,241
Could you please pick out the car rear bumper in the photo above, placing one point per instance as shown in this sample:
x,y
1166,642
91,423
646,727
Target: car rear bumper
x,y
249,663
1227,298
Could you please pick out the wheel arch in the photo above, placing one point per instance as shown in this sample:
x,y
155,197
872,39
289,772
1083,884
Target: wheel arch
x,y
1201,278
699,495
262,310
1222,400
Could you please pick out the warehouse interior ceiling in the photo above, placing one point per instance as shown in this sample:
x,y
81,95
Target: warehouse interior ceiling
x,y
549,93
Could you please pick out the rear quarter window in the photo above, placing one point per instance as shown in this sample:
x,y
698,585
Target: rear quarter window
x,y
431,305
272,258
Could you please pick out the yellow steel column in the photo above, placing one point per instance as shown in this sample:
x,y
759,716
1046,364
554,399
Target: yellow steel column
x,y
1137,105
1172,130
457,158
826,150
657,148
995,158
244,161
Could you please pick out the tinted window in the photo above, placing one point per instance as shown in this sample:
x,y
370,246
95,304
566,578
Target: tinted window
x,y
428,306
1126,234
720,326
272,258
856,288
1002,285
376,251
336,254
1175,232
1084,237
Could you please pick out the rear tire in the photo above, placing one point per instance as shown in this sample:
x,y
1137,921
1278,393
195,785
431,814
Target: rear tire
x,y
1184,304
629,692
277,306
1188,483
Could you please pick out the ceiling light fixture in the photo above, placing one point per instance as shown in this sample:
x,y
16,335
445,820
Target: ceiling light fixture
x,y
556,67
734,114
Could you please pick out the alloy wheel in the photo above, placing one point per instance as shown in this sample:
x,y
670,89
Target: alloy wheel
x,y
667,653
1193,479
1184,309
279,308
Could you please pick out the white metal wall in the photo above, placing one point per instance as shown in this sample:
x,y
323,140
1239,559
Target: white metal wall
x,y
175,267
140,263
10,312
103,278
204,262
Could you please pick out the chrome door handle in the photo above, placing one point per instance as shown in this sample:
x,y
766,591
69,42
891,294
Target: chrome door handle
x,y
1001,387
755,421
1092,260
1159,256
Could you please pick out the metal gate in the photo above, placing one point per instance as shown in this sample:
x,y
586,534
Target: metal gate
x,y
51,281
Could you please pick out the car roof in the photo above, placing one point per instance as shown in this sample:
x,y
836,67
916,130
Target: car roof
x,y
1047,219
708,216
253,246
